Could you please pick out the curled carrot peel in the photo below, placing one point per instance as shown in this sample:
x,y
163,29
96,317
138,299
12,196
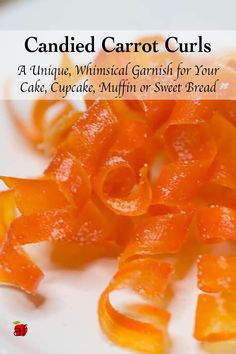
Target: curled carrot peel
x,y
50,119
149,278
137,200
116,178
224,133
45,133
85,227
163,234
192,152
13,260
156,111
216,274
179,182
17,269
71,178
34,195
215,318
92,135
133,135
130,333
216,224
58,131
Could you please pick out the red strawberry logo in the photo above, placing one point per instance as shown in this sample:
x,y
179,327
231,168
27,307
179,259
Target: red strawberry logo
x,y
20,329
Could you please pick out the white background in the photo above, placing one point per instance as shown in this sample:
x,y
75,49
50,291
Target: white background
x,y
65,322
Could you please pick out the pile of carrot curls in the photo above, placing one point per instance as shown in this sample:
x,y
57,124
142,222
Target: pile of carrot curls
x,y
147,179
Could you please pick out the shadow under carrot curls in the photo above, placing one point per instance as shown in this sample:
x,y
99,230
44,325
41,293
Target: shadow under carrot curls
x,y
37,299
219,347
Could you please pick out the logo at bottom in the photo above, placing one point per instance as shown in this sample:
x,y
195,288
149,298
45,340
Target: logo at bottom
x,y
20,329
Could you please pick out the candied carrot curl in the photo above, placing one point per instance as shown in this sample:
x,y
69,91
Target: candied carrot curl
x,y
35,195
216,274
17,269
136,202
143,178
216,224
149,278
92,135
155,235
88,226
70,177
45,132
14,263
192,153
216,318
